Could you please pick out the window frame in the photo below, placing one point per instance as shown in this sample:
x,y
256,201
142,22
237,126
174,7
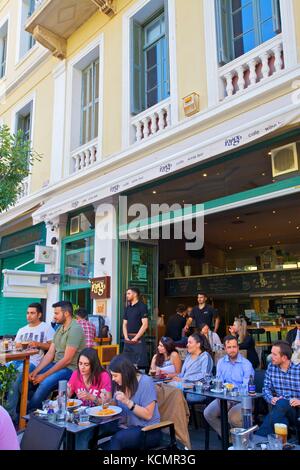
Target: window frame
x,y
92,103
4,47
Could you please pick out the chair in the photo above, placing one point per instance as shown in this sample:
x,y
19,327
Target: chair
x,y
107,353
42,435
262,346
260,406
171,445
103,341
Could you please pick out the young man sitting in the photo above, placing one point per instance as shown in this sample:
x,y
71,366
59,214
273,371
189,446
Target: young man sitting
x,y
281,388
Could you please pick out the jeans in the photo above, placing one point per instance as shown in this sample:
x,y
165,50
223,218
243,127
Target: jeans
x,y
282,412
15,391
132,438
49,384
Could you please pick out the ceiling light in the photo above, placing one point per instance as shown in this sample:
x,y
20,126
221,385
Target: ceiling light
x,y
255,226
153,192
297,228
274,212
290,221
250,246
263,174
238,218
205,175
230,248
270,153
270,234
278,243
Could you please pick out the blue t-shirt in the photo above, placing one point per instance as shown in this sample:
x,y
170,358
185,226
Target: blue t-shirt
x,y
144,395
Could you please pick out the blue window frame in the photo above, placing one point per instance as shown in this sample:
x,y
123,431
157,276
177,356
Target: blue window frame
x,y
243,25
150,63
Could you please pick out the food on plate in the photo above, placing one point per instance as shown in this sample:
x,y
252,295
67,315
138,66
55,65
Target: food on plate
x,y
105,412
71,403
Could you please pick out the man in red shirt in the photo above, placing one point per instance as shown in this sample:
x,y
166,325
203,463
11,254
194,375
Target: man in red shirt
x,y
88,328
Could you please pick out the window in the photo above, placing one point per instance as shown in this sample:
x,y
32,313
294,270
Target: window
x,y
243,25
24,121
3,48
90,102
150,63
27,41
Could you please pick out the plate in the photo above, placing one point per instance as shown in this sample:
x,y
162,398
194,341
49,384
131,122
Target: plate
x,y
93,411
76,404
216,391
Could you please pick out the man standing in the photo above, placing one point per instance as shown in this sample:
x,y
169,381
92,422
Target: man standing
x,y
281,388
37,334
176,324
203,313
61,359
88,328
135,324
234,369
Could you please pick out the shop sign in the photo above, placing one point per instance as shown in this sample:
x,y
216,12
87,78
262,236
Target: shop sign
x,y
100,288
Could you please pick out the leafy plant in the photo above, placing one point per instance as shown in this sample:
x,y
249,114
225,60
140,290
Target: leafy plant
x,y
75,309
8,374
16,159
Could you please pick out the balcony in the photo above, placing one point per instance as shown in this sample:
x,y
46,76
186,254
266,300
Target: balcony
x,y
151,122
53,21
263,62
85,156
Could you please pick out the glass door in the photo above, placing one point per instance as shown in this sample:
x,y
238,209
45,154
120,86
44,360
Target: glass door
x,y
139,268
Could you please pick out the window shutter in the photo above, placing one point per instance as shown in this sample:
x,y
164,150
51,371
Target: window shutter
x,y
137,79
276,16
224,36
166,13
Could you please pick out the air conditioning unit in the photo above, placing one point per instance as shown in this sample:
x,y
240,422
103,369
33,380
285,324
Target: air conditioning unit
x,y
285,160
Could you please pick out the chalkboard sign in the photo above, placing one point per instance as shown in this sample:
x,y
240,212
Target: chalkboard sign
x,y
233,284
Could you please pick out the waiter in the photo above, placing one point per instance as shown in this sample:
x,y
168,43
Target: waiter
x,y
203,313
135,324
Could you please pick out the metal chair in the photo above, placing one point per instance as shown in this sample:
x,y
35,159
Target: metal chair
x,y
170,445
42,435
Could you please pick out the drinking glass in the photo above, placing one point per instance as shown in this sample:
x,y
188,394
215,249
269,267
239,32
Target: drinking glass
x,y
275,442
281,431
83,418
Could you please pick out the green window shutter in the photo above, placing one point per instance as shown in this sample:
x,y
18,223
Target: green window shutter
x,y
224,34
276,16
137,76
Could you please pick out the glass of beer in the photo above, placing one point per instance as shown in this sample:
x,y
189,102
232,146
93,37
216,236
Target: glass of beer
x,y
281,431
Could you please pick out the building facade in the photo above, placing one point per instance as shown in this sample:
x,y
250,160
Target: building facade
x,y
164,102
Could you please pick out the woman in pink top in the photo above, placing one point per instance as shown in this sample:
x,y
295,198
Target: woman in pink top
x,y
8,435
89,379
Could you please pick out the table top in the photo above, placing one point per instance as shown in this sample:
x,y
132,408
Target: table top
x,y
17,355
271,328
76,428
222,396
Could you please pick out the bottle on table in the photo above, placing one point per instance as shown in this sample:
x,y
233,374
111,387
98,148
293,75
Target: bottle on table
x,y
62,400
251,386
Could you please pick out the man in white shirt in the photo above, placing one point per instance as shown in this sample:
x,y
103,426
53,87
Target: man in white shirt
x,y
37,334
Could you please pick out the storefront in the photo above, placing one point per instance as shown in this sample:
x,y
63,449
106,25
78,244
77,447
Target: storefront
x,y
17,252
77,258
250,260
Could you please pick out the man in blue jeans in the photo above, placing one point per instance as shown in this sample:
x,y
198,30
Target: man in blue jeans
x,y
281,389
61,359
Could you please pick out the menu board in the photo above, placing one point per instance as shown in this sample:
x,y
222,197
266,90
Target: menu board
x,y
263,282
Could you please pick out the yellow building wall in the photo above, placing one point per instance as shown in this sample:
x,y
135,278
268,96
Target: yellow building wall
x,y
297,21
190,44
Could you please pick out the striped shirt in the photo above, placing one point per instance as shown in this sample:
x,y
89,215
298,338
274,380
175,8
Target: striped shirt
x,y
280,383
89,330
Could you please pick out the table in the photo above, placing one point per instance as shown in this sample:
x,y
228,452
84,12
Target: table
x,y
257,440
224,412
25,357
73,429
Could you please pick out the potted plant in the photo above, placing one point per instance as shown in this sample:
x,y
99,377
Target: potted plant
x,y
8,374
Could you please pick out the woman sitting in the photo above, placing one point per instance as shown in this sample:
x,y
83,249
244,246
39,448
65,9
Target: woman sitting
x,y
87,383
89,379
136,396
212,337
166,360
198,362
246,341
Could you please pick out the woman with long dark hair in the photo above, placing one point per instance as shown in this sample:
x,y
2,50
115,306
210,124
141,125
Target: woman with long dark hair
x,y
198,361
166,359
136,395
89,379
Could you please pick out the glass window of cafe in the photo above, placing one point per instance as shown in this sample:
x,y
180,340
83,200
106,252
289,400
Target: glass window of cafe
x,y
78,258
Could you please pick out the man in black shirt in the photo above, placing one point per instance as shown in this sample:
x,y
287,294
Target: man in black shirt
x,y
203,313
135,324
176,323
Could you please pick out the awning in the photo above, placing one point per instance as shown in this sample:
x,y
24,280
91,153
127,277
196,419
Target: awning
x,y
248,127
17,213
24,284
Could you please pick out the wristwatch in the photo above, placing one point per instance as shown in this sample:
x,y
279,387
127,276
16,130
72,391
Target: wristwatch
x,y
133,406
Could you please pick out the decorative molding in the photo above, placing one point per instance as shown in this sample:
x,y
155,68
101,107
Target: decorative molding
x,y
106,6
56,44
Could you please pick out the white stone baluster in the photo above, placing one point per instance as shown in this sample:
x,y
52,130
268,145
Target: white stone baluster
x,y
253,75
94,154
77,162
278,60
265,70
161,120
229,85
146,127
167,111
153,126
241,79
